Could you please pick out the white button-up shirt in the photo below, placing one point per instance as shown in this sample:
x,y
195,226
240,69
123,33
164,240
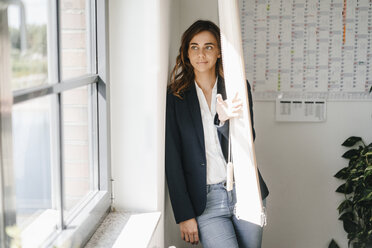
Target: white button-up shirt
x,y
216,165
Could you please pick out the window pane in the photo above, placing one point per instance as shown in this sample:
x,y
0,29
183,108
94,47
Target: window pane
x,y
28,38
33,124
78,145
75,37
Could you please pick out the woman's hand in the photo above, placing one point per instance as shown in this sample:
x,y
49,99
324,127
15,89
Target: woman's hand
x,y
189,231
228,109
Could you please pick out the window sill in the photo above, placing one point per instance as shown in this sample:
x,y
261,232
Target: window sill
x,y
45,224
122,229
83,225
42,231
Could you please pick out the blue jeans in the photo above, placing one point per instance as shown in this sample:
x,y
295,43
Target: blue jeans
x,y
218,227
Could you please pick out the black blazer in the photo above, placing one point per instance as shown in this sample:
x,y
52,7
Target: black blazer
x,y
185,159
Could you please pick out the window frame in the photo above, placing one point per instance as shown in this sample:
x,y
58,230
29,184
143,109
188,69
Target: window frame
x,y
7,215
79,227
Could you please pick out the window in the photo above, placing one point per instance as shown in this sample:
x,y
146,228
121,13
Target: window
x,y
27,25
54,168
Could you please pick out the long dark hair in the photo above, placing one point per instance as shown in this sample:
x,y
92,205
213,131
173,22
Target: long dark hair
x,y
182,75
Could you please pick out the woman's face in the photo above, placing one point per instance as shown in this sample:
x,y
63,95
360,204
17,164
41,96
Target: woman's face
x,y
203,52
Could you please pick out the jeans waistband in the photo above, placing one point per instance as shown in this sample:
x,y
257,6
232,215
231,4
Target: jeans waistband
x,y
220,185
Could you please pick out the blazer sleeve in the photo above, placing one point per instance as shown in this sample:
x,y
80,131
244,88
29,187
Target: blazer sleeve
x,y
224,129
179,196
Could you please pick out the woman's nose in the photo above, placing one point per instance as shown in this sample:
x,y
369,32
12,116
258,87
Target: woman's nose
x,y
201,53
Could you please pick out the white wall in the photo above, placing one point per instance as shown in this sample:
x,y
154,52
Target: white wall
x,y
171,234
297,160
139,45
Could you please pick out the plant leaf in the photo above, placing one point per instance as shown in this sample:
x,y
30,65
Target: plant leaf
x,y
367,196
367,173
344,205
351,153
346,216
369,158
342,174
345,188
350,226
351,141
333,244
341,189
356,179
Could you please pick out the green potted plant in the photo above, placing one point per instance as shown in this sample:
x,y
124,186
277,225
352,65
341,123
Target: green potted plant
x,y
356,209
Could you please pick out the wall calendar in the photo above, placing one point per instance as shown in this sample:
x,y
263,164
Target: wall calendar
x,y
308,48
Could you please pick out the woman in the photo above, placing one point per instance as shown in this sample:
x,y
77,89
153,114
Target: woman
x,y
197,142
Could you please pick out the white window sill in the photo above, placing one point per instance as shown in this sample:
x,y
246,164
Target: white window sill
x,y
121,229
42,231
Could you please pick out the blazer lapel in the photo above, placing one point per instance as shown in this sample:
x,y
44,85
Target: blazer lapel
x,y
221,87
224,143
220,90
194,107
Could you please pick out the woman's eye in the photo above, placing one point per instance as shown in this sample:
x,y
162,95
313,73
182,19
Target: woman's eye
x,y
209,47
194,47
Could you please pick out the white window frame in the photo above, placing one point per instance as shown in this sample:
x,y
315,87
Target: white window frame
x,y
79,227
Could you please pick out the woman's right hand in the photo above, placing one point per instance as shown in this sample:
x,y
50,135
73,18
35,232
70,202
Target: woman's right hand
x,y
189,231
